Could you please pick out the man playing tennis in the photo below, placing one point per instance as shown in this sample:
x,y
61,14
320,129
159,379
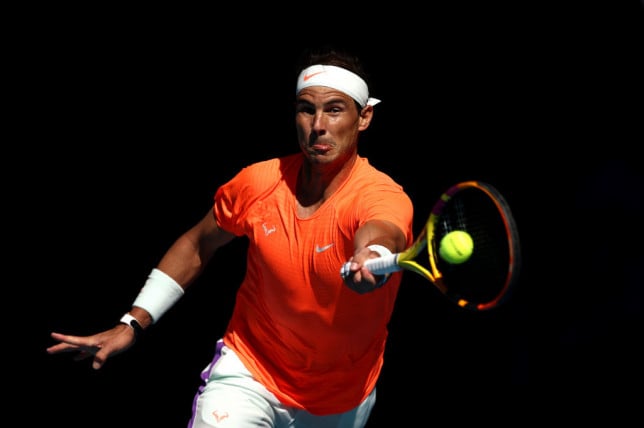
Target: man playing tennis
x,y
303,348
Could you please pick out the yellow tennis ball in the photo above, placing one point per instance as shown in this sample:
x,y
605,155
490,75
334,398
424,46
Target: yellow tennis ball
x,y
456,247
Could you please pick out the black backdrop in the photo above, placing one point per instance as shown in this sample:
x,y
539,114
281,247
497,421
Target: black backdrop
x,y
131,123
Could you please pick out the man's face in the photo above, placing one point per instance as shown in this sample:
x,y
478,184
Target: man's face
x,y
328,123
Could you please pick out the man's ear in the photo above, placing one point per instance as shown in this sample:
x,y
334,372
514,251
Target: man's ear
x,y
366,114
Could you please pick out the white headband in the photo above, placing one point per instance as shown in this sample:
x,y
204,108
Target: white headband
x,y
337,78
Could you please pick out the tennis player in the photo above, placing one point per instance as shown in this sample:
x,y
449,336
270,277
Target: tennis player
x,y
303,347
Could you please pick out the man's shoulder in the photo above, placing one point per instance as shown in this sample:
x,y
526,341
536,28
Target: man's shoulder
x,y
264,175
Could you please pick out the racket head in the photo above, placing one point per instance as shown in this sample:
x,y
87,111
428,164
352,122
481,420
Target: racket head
x,y
487,278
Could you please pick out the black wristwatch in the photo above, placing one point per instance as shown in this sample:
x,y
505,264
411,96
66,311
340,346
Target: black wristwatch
x,y
134,323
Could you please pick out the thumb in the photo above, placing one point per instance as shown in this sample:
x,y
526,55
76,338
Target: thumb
x,y
98,361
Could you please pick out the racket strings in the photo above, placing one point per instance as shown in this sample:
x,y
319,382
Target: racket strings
x,y
484,276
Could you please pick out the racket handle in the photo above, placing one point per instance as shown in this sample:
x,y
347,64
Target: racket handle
x,y
377,266
383,265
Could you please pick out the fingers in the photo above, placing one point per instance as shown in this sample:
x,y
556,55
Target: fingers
x,y
99,347
98,362
73,343
85,346
361,280
364,275
60,347
66,341
72,340
356,271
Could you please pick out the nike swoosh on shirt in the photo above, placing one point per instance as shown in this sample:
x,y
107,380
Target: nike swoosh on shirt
x,y
319,249
308,76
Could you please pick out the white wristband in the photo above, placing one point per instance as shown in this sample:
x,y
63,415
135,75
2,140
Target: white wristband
x,y
380,249
158,294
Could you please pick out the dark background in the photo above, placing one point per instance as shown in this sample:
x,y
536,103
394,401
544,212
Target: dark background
x,y
129,120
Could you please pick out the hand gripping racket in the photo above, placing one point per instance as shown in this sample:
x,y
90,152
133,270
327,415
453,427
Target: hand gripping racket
x,y
486,279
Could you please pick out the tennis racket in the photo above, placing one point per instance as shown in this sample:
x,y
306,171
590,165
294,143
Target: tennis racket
x,y
488,276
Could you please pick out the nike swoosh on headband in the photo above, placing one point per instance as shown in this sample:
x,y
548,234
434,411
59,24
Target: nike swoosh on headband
x,y
308,76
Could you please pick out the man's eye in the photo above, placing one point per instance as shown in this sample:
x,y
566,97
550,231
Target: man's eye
x,y
305,109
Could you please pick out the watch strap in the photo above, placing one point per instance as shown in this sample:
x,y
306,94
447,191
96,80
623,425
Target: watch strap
x,y
133,323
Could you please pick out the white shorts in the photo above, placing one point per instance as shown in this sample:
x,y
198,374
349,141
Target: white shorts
x,y
231,398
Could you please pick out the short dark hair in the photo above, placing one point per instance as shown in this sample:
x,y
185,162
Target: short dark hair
x,y
331,55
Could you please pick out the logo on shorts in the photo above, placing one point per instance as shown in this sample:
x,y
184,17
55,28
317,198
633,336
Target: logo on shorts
x,y
220,415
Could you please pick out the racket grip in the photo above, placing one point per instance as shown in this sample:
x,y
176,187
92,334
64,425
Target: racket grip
x,y
377,266
383,265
